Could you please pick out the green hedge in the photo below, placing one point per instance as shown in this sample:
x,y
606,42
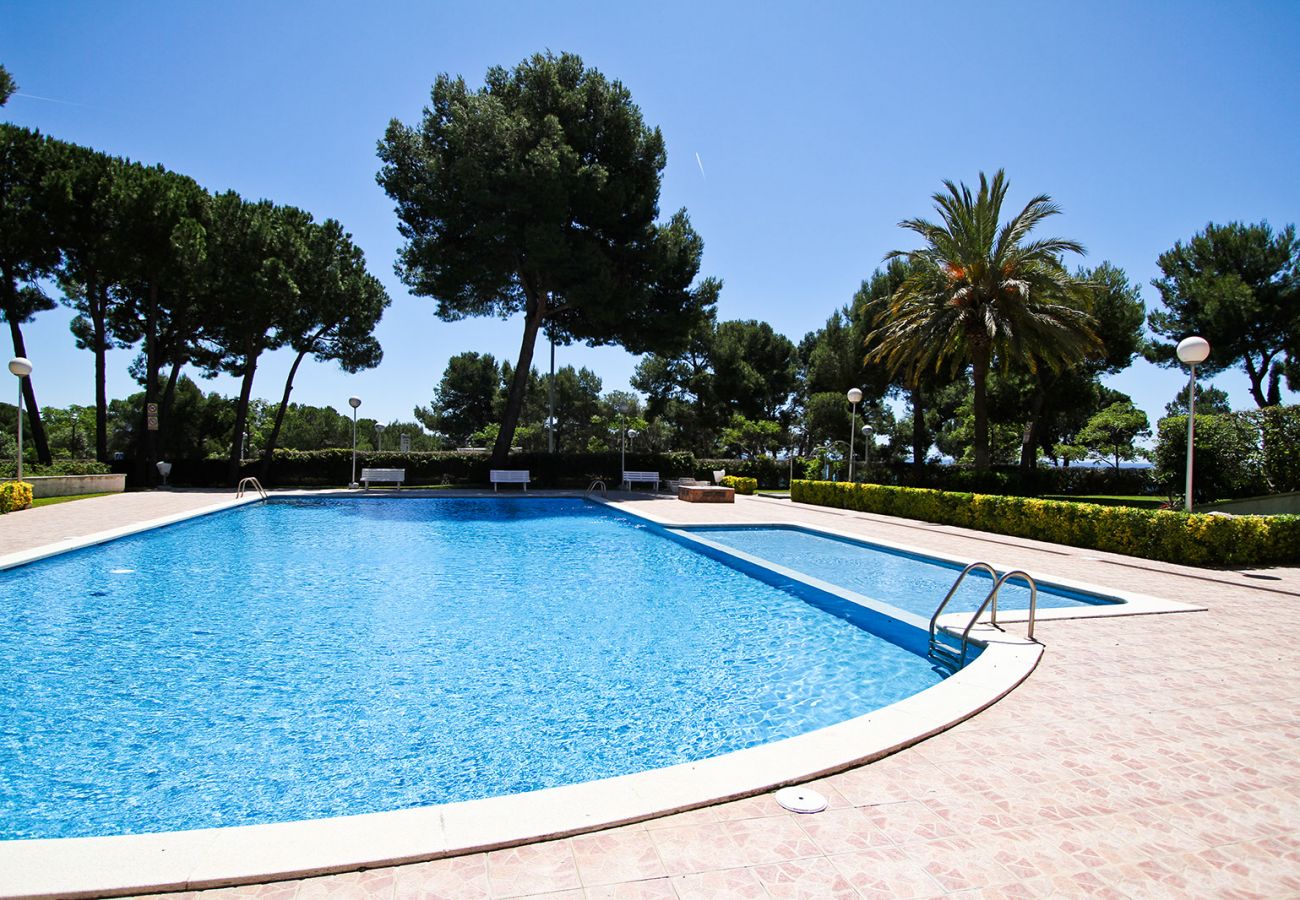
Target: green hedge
x,y
1198,540
58,467
740,484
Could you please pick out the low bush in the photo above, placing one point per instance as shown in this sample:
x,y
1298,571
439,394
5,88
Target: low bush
x,y
1178,537
58,467
740,484
15,495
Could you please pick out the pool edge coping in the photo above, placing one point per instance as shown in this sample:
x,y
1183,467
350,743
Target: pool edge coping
x,y
221,857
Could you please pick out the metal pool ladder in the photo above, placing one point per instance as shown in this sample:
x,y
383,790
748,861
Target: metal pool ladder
x,y
250,482
597,485
941,652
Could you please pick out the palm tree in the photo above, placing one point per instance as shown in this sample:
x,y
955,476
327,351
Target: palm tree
x,y
979,291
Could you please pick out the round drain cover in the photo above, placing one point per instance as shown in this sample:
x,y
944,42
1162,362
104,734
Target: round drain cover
x,y
801,800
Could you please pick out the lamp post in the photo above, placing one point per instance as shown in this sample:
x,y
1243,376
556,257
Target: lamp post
x,y
1191,351
379,430
20,366
866,447
854,397
354,402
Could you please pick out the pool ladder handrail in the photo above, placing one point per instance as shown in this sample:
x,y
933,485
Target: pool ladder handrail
x,y
948,655
598,484
252,482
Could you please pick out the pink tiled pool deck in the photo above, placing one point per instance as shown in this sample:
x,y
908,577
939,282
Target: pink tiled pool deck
x,y
1147,756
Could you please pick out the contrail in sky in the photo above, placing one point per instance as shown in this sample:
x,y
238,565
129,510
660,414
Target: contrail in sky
x,y
50,99
700,163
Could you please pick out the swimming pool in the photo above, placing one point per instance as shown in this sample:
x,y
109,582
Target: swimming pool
x,y
908,581
309,658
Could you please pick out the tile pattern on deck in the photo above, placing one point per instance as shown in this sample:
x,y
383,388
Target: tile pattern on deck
x,y
1150,756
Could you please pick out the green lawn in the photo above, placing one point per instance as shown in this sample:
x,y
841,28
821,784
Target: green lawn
x,y
50,501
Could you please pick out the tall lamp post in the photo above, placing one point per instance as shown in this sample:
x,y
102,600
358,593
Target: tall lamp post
x,y
22,367
1191,351
354,402
854,397
866,447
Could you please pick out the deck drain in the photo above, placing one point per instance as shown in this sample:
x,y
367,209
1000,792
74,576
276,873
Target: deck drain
x,y
800,800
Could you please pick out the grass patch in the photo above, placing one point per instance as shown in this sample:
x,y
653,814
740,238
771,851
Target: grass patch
x,y
50,501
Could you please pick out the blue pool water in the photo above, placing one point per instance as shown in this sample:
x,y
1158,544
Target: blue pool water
x,y
300,659
905,580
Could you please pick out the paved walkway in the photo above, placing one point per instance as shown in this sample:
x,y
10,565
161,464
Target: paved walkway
x,y
1148,756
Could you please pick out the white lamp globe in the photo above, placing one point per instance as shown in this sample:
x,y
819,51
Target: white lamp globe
x,y
20,366
354,402
854,395
1193,350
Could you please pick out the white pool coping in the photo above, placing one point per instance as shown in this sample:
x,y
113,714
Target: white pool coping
x,y
204,858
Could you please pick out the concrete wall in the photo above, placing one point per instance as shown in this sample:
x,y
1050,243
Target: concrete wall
x,y
66,485
1269,505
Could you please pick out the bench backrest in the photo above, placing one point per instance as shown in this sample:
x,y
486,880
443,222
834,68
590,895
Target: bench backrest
x,y
509,475
641,476
383,474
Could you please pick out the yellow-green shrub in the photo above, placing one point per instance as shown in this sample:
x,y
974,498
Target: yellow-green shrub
x,y
1195,539
740,483
15,495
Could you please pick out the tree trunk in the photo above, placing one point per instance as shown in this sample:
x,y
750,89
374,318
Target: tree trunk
x,y
519,382
148,470
241,419
265,470
920,440
979,375
1033,427
168,398
100,337
34,423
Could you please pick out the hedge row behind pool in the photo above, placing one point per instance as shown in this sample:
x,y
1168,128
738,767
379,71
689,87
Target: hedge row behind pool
x,y
1177,537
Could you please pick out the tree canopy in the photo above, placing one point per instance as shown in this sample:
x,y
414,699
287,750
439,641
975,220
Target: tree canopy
x,y
983,290
538,194
1238,286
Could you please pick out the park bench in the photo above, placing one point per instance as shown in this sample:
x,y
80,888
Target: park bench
x,y
369,475
509,476
630,478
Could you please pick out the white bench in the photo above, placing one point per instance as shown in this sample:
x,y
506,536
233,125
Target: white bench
x,y
369,475
509,476
629,478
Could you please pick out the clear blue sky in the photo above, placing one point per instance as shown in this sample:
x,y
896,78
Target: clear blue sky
x,y
818,126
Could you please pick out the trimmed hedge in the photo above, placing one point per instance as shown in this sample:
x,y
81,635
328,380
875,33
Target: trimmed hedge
x,y
740,483
15,495
58,467
1177,537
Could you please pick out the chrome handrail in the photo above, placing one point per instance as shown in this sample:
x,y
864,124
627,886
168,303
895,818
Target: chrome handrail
x,y
934,619
247,482
597,484
1033,594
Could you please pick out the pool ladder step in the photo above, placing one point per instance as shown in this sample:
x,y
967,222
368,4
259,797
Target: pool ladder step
x,y
955,657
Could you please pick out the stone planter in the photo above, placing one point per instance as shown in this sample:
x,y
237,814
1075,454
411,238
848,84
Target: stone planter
x,y
66,485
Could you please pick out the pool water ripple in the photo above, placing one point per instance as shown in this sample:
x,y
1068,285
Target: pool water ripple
x,y
314,658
